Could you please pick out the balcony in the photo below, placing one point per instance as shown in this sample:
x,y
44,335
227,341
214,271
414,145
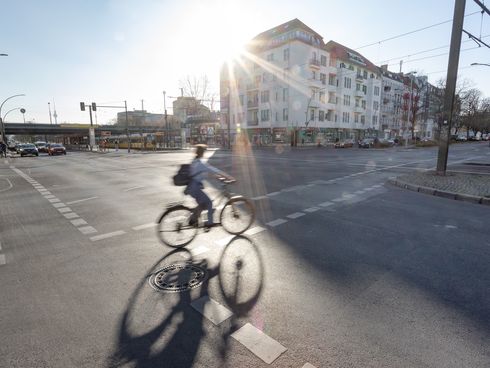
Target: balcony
x,y
315,63
359,77
252,122
359,93
253,104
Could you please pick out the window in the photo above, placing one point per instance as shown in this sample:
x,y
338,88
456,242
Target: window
x,y
285,115
336,118
333,61
375,105
376,91
277,96
331,97
264,96
357,102
286,54
375,119
346,100
313,75
274,78
285,94
323,60
270,57
345,117
347,82
264,115
257,80
365,74
330,115
321,97
356,118
323,78
276,116
265,77
364,89
363,119
358,86
240,98
312,114
331,79
342,65
254,118
363,104
321,115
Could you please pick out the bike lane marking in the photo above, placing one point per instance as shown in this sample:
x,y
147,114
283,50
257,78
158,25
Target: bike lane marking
x,y
277,222
144,226
255,340
107,235
295,215
212,310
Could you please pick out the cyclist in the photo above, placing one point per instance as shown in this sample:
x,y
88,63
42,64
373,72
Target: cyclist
x,y
198,172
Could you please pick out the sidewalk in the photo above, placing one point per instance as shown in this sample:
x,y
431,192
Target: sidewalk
x,y
468,187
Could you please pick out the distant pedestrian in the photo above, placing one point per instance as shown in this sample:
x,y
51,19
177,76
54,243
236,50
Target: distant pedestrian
x,y
3,150
116,143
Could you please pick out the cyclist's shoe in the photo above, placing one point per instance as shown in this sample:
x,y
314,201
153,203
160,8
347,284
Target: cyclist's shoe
x,y
208,226
192,222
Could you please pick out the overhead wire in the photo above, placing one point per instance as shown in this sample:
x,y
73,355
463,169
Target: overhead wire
x,y
411,32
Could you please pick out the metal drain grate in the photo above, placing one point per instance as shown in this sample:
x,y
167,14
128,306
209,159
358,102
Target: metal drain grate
x,y
178,277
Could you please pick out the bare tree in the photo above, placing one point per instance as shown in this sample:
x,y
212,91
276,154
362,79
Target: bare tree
x,y
198,87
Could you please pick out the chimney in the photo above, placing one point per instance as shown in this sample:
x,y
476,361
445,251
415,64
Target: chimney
x,y
384,67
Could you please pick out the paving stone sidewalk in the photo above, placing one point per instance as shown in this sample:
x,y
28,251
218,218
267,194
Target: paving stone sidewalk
x,y
455,185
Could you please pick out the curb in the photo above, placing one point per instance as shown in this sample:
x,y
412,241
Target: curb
x,y
441,193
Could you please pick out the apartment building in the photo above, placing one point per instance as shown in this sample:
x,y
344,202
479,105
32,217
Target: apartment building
x,y
291,84
392,90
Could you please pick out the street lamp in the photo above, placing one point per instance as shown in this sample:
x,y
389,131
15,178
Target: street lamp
x,y
1,121
167,140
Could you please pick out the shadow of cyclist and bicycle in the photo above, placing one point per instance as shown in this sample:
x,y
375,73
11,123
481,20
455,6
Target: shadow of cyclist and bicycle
x,y
162,329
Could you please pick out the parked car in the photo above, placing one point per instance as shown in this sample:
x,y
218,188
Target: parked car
x,y
41,146
56,149
344,144
461,138
366,143
28,149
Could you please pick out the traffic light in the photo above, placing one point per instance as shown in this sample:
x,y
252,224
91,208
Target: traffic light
x,y
94,106
82,106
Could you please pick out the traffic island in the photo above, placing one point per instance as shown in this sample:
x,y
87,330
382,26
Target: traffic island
x,y
474,188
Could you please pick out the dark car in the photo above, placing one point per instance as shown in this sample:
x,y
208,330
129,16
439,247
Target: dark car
x,y
56,149
27,149
366,143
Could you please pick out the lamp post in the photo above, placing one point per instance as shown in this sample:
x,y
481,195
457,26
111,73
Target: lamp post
x,y
167,141
1,105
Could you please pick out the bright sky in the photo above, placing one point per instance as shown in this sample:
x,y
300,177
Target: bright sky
x,y
108,51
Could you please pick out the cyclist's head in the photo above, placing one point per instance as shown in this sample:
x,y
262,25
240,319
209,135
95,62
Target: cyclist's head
x,y
200,148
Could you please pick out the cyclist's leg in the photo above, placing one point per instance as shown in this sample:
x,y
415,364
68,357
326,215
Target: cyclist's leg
x,y
203,201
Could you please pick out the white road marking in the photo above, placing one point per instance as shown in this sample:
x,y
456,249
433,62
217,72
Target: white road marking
x,y
81,200
0,246
259,198
326,204
339,199
265,347
199,250
224,241
145,226
58,205
105,236
273,194
311,209
211,309
87,230
49,196
295,215
277,222
450,227
78,222
71,215
44,191
10,185
292,189
308,365
54,200
377,186
359,192
3,260
368,189
254,230
64,209
133,188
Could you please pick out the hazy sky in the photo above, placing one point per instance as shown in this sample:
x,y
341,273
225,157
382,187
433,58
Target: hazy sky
x,y
108,51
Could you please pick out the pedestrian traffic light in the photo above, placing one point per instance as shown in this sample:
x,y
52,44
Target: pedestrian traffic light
x,y
82,106
94,106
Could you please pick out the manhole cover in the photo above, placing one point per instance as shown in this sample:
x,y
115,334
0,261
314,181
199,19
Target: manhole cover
x,y
178,277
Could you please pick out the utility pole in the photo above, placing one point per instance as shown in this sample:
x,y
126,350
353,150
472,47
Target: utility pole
x,y
167,140
50,118
452,74
127,126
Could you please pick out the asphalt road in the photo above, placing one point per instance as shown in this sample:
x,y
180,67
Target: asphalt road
x,y
340,269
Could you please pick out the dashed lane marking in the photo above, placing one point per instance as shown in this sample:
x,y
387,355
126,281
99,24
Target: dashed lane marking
x,y
54,200
211,309
59,204
49,196
145,226
341,199
81,200
263,346
78,222
87,230
64,209
311,209
254,230
133,188
295,215
70,215
326,204
0,246
277,222
3,260
105,236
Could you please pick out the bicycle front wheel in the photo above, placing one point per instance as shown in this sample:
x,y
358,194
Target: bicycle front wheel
x,y
237,215
174,229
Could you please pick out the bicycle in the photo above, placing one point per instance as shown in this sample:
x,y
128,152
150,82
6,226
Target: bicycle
x,y
174,227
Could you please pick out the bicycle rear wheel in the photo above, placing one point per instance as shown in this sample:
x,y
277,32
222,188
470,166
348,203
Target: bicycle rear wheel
x,y
173,227
237,215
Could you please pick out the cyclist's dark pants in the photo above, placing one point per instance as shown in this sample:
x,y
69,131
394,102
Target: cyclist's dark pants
x,y
195,190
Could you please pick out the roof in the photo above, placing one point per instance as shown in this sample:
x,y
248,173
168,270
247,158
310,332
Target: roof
x,y
344,53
